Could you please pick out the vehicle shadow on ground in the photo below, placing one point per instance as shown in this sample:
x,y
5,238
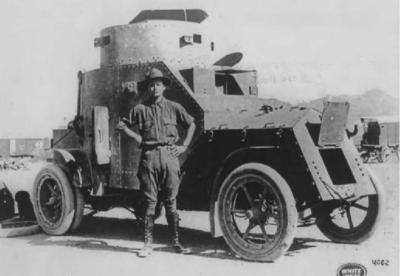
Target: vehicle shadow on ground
x,y
95,232
300,244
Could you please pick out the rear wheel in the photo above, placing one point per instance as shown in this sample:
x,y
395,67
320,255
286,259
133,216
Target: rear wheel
x,y
354,221
53,200
257,212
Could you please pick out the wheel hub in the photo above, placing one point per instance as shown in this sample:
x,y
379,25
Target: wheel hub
x,y
50,196
259,213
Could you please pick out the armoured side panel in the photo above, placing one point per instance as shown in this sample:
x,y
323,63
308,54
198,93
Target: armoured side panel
x,y
116,89
321,162
363,185
98,88
102,88
125,151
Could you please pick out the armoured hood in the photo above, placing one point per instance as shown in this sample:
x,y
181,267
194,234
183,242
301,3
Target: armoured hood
x,y
238,112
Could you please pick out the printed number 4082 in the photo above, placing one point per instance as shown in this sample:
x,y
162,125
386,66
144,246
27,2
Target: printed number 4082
x,y
380,262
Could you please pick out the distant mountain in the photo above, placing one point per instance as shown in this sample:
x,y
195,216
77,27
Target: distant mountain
x,y
373,102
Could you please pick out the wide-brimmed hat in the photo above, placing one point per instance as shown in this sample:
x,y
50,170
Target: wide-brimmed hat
x,y
154,74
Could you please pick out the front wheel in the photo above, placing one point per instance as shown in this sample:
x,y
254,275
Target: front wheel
x,y
53,200
257,212
355,221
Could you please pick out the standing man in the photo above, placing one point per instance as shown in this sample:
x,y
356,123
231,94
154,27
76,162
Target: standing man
x,y
157,120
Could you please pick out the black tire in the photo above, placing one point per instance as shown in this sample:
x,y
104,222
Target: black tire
x,y
53,200
338,231
79,205
257,194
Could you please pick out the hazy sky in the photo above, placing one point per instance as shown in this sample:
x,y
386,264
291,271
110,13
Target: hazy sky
x,y
301,49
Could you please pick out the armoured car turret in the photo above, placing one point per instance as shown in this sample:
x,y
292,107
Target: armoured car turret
x,y
253,163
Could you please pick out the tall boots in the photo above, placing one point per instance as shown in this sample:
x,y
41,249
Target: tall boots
x,y
148,236
173,225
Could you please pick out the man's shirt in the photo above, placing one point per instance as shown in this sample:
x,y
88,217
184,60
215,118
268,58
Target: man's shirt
x,y
158,121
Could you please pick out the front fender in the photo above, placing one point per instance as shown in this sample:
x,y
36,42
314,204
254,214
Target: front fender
x,y
74,161
62,157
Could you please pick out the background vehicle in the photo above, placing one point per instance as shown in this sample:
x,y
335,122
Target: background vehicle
x,y
253,163
379,138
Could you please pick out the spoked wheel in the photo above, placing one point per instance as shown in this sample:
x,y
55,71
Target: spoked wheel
x,y
257,212
353,221
53,200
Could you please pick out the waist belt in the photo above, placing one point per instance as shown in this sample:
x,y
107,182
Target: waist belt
x,y
154,145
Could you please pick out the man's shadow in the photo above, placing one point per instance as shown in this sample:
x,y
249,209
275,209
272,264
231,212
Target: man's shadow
x,y
95,231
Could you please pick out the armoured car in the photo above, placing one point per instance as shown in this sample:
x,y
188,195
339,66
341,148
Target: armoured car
x,y
253,163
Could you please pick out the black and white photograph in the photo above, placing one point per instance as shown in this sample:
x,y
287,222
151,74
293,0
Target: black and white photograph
x,y
198,138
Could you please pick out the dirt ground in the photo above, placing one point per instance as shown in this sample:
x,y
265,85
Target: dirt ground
x,y
107,244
